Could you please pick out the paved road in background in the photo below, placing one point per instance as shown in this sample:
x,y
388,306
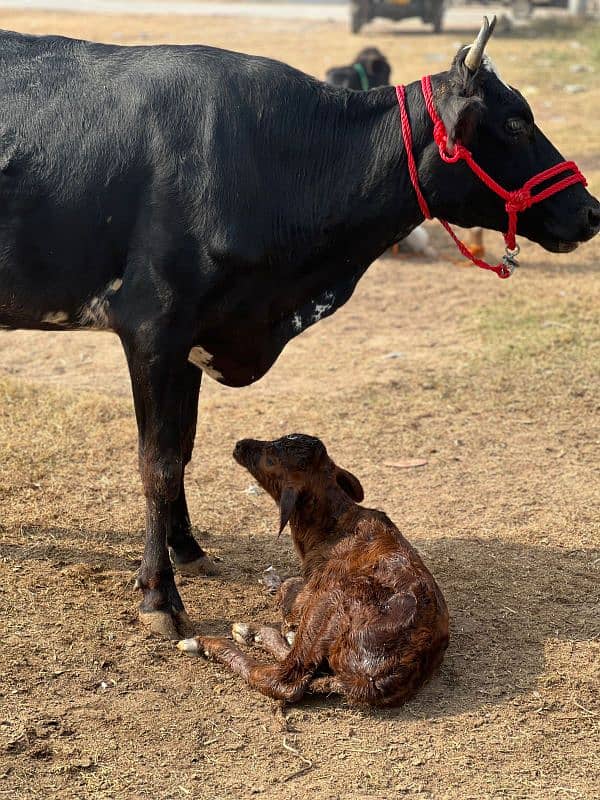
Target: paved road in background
x,y
456,17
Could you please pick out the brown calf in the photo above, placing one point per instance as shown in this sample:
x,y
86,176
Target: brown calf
x,y
366,619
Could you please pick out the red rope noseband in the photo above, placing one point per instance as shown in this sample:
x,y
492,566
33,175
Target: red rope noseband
x,y
514,202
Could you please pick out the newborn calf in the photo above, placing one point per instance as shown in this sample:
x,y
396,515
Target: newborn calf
x,y
366,619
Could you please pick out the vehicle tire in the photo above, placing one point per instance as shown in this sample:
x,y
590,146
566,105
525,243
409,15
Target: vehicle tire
x,y
438,19
435,15
359,14
522,9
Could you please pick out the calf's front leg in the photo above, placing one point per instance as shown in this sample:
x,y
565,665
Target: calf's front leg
x,y
266,637
286,681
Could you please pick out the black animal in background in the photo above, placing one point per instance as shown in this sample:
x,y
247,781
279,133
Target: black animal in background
x,y
369,70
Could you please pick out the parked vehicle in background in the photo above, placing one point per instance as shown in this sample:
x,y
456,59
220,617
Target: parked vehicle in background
x,y
363,11
524,8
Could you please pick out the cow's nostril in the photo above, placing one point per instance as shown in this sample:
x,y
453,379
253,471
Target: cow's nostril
x,y
594,218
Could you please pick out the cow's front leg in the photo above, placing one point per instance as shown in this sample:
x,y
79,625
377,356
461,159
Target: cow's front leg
x,y
186,554
158,381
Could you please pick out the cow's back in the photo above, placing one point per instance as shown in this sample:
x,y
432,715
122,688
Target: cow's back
x,y
100,144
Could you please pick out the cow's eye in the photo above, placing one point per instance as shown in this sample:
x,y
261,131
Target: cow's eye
x,y
515,125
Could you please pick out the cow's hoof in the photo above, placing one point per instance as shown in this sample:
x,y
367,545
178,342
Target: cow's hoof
x,y
170,626
243,633
199,566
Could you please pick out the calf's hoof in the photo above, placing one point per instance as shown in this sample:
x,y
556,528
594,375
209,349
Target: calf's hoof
x,y
171,625
207,646
189,646
243,633
204,565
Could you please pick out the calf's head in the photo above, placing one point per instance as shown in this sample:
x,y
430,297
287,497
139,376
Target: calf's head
x,y
494,121
296,470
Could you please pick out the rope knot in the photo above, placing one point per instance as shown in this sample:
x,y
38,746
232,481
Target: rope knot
x,y
518,200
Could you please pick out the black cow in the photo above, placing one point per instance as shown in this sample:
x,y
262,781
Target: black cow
x,y
208,206
369,69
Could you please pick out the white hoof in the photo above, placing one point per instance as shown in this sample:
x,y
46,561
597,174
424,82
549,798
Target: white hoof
x,y
290,638
188,646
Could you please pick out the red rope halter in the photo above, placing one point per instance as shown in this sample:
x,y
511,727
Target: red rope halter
x,y
514,202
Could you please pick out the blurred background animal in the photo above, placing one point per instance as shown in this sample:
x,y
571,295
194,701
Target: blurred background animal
x,y
369,69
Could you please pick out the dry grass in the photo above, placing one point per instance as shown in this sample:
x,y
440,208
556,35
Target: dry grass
x,y
494,383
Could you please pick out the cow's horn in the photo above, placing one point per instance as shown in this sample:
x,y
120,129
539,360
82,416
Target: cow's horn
x,y
475,54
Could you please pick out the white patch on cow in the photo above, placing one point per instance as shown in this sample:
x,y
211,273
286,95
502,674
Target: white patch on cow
x,y
95,313
297,322
322,308
56,317
202,359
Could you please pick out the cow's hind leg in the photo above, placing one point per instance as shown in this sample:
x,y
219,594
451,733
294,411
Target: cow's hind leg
x,y
186,554
158,370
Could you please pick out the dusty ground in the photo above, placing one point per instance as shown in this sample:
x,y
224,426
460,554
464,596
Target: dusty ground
x,y
494,383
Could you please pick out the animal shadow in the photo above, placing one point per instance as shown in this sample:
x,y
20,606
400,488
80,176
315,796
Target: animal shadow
x,y
506,600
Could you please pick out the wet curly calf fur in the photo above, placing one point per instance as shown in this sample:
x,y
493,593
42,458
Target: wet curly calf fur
x,y
366,618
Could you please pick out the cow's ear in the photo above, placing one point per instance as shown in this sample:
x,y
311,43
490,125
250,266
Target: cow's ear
x,y
350,484
460,116
460,101
287,504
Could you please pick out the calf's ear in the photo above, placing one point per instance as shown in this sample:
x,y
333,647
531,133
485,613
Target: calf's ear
x,y
350,484
287,504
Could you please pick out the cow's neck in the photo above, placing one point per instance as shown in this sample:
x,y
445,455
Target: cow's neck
x,y
364,196
347,198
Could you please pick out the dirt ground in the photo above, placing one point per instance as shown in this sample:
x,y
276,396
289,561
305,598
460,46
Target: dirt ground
x,y
494,383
